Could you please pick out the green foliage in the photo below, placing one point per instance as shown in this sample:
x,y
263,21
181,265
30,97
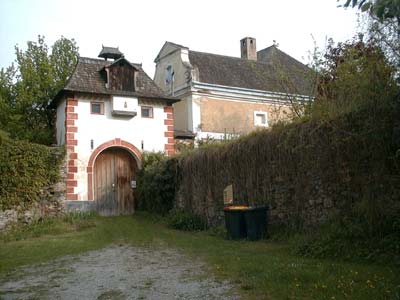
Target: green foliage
x,y
383,9
352,237
157,183
25,169
354,75
184,220
26,91
151,158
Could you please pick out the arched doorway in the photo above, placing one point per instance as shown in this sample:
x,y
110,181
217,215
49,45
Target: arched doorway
x,y
114,173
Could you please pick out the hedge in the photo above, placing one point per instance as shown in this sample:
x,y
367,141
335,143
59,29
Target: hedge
x,y
25,169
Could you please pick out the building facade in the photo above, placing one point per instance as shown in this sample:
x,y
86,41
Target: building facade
x,y
222,95
109,112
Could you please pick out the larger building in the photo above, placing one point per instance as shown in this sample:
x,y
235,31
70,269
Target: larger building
x,y
222,95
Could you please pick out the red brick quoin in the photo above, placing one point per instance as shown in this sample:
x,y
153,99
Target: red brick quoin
x,y
113,143
71,142
169,130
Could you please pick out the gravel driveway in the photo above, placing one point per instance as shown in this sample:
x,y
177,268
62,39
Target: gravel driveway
x,y
116,272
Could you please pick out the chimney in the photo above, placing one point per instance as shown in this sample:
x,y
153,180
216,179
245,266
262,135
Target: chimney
x,y
248,49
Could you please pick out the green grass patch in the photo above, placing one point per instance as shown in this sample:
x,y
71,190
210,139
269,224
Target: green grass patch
x,y
260,270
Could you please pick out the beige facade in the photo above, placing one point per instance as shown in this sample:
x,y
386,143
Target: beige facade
x,y
238,116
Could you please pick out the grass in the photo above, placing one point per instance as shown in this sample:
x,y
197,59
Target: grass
x,y
260,270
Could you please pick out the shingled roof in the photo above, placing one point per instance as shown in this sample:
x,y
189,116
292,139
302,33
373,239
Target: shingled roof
x,y
87,78
278,72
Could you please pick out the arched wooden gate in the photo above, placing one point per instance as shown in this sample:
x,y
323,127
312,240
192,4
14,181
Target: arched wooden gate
x,y
114,173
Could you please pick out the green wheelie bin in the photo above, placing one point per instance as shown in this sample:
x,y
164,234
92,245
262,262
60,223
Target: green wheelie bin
x,y
256,222
235,222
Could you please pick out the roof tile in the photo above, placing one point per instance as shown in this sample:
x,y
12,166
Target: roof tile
x,y
278,72
87,79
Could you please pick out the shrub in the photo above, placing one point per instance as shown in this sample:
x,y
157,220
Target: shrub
x,y
157,185
184,220
25,169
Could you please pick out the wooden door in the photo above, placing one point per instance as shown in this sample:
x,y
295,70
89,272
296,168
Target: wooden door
x,y
114,169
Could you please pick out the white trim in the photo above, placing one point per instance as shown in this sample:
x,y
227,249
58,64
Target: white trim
x,y
203,135
261,113
245,93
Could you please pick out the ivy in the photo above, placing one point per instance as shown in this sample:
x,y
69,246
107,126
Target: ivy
x,y
25,169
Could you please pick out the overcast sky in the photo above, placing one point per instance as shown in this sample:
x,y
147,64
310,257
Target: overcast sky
x,y
140,28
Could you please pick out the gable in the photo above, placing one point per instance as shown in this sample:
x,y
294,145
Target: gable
x,y
168,48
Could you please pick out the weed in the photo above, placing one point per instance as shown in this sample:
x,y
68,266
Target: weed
x,y
183,220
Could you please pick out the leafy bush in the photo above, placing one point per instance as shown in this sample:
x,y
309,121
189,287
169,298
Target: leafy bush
x,y
25,170
157,184
151,158
184,220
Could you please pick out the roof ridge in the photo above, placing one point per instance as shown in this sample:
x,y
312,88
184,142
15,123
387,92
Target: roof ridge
x,y
269,47
80,58
234,57
175,44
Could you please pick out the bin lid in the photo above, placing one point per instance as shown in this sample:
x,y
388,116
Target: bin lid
x,y
236,207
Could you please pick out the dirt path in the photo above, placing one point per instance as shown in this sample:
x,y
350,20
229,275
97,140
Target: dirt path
x,y
116,272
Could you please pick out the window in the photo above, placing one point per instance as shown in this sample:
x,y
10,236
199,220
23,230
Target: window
x,y
260,118
97,108
169,75
147,112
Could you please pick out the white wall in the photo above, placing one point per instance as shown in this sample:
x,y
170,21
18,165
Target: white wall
x,y
103,128
60,123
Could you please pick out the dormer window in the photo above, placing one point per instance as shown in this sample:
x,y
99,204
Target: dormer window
x,y
120,75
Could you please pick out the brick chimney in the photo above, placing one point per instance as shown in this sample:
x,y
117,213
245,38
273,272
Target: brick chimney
x,y
248,49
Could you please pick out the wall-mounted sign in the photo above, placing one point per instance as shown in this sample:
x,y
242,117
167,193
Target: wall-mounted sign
x,y
133,184
228,195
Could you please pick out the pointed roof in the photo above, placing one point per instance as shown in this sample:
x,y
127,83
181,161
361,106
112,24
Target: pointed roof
x,y
110,52
123,59
87,78
279,72
168,48
274,70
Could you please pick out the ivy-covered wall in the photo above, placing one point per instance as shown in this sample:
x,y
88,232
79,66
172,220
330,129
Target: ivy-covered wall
x,y
26,170
304,172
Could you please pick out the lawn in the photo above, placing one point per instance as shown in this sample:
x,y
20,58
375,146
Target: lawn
x,y
260,270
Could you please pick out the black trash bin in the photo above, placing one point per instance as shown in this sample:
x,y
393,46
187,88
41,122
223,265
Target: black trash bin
x,y
234,221
256,222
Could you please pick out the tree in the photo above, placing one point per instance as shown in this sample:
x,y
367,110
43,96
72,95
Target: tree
x,y
38,77
382,9
355,75
6,94
383,26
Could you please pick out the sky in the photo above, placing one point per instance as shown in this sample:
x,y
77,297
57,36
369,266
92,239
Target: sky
x,y
140,27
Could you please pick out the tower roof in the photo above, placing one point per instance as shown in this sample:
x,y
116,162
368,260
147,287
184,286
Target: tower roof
x,y
110,52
